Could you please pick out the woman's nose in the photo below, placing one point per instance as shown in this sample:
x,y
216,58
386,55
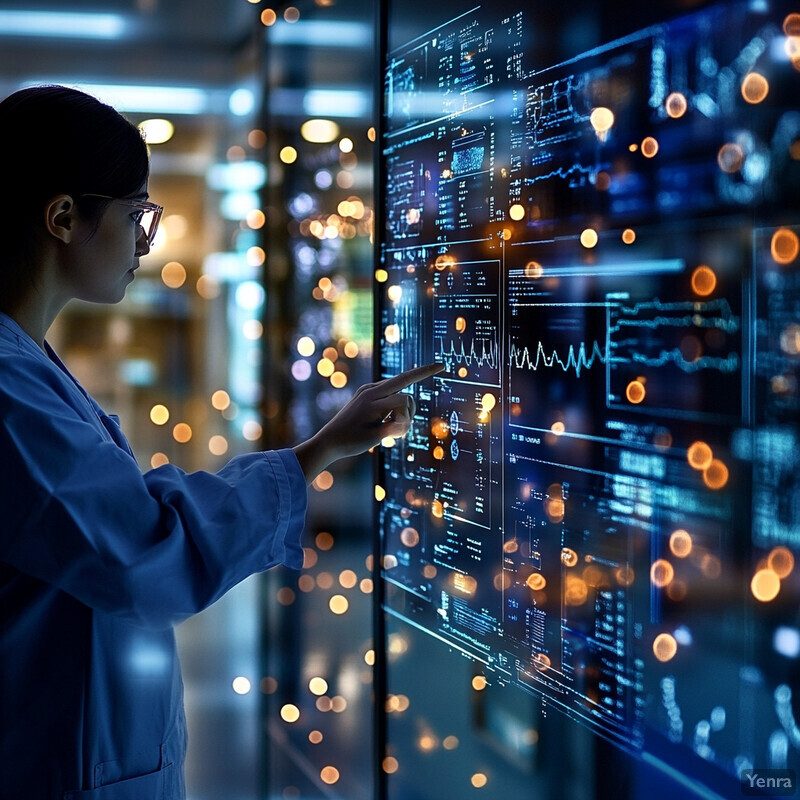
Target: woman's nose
x,y
142,245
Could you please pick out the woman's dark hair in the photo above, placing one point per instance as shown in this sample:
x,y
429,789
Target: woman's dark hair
x,y
56,140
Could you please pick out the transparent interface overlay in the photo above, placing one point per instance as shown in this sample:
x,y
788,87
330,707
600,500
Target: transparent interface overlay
x,y
600,496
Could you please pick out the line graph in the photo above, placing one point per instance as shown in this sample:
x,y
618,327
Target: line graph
x,y
652,314
686,353
575,359
729,363
478,352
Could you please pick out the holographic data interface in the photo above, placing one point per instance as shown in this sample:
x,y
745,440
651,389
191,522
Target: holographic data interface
x,y
600,496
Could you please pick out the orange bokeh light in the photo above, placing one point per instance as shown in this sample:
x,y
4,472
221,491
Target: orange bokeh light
x,y
765,585
784,246
635,392
699,455
661,573
665,647
680,543
704,281
715,476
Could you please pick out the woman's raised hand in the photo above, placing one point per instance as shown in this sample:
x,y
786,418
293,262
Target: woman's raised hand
x,y
375,411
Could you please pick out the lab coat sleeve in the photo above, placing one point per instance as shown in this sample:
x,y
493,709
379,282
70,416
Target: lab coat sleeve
x,y
77,512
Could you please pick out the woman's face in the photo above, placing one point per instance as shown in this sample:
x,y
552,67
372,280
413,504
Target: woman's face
x,y
102,264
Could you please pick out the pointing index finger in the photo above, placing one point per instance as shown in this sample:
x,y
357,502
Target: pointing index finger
x,y
398,382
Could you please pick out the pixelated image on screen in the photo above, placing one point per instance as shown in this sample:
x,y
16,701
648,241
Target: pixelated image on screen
x,y
600,496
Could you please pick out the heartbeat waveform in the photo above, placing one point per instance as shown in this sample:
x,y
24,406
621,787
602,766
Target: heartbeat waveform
x,y
577,360
458,353
728,364
726,321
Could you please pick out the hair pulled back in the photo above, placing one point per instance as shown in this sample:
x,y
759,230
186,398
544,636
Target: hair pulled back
x,y
57,140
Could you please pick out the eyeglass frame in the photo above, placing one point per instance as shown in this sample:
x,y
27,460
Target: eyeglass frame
x,y
144,205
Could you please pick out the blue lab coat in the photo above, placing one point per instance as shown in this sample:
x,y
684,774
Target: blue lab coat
x,y
97,563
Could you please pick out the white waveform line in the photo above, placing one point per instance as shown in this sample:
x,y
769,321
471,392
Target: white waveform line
x,y
577,360
487,357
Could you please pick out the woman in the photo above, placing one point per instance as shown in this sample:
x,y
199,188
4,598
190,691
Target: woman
x,y
97,560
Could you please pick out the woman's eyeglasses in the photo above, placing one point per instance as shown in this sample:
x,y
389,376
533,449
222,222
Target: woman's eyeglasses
x,y
147,215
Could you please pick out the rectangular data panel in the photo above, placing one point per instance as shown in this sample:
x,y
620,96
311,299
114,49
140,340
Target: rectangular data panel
x,y
592,219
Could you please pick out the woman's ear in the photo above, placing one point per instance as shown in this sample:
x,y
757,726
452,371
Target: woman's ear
x,y
59,217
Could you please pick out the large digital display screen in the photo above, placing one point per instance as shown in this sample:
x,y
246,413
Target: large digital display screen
x,y
590,216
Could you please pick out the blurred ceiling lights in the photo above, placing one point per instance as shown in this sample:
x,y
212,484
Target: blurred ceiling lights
x,y
328,33
63,24
319,131
157,131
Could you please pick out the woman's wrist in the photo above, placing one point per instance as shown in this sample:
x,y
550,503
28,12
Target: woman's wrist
x,y
313,456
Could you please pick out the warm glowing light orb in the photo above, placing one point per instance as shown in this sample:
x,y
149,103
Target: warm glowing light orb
x,y
665,647
536,581
517,212
601,119
450,742
218,445
541,661
409,537
488,401
676,105
699,455
784,246
182,433
461,324
715,476
661,573
765,585
318,686
290,713
173,274
554,508
569,558
158,460
329,775
288,154
479,683
755,87
628,236
649,147
390,765
533,270
159,414
680,543
338,604
704,281
479,780
635,392
392,334
444,261
589,238
576,591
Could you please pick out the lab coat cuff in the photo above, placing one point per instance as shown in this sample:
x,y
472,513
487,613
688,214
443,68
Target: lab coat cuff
x,y
292,482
